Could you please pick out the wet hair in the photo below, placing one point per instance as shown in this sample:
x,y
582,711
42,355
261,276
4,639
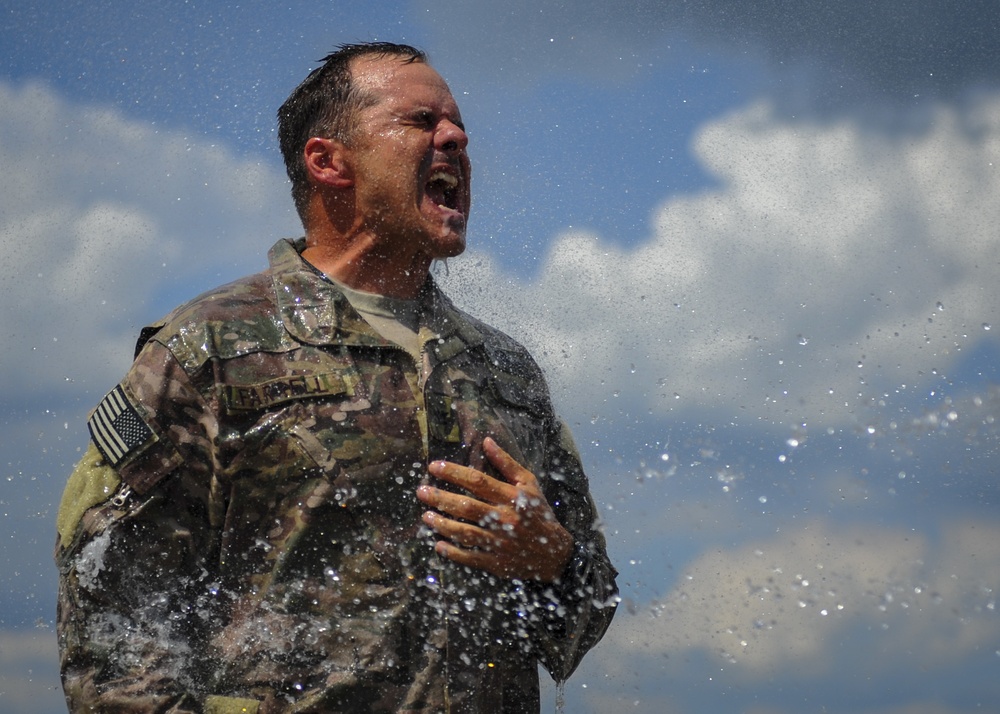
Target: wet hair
x,y
326,104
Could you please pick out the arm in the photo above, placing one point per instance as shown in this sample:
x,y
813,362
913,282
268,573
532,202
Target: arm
x,y
124,625
135,536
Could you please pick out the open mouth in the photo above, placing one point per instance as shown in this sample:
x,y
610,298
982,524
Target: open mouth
x,y
442,188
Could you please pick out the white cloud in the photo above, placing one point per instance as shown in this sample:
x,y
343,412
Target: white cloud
x,y
99,216
788,604
29,677
830,264
825,248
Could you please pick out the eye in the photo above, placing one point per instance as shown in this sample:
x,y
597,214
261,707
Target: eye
x,y
425,117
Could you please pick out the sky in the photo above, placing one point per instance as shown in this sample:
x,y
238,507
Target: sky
x,y
753,245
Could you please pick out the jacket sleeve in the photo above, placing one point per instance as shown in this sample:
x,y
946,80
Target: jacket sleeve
x,y
136,584
573,613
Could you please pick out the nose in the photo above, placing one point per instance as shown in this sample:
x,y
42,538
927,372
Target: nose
x,y
451,137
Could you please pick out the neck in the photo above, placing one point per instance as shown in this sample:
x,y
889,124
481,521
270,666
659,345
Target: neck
x,y
362,263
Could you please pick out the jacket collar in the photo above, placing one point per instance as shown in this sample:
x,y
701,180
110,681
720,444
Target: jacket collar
x,y
314,311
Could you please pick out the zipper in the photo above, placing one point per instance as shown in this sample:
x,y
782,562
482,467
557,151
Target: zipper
x,y
122,495
423,379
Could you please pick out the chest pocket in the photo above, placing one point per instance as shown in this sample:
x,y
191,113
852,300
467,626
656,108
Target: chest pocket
x,y
276,408
520,397
516,403
498,394
293,458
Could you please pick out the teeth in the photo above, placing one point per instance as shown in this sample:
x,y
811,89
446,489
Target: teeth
x,y
444,177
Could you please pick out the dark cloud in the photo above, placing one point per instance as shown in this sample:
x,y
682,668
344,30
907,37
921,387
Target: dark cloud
x,y
833,52
895,50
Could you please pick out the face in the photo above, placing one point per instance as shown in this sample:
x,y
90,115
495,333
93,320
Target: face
x,y
408,153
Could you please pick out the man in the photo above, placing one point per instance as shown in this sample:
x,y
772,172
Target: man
x,y
323,488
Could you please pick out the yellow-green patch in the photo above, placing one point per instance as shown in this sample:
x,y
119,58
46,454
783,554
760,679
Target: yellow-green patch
x,y
92,482
230,705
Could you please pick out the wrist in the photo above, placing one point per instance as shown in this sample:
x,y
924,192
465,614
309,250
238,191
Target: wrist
x,y
576,566
563,552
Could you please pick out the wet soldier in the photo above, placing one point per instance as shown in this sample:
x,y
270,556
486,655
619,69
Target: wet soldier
x,y
324,488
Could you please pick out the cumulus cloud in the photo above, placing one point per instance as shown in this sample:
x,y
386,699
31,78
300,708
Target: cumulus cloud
x,y
831,263
789,604
29,676
99,216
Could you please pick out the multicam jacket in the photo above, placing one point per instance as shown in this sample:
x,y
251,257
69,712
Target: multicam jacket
x,y
243,534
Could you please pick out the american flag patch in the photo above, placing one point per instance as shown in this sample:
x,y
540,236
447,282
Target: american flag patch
x,y
116,427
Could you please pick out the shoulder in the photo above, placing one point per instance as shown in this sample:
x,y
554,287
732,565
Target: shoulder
x,y
503,351
514,373
228,321
506,353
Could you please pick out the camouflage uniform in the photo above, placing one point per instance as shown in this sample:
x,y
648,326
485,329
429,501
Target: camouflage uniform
x,y
243,533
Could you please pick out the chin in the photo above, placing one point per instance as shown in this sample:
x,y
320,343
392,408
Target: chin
x,y
448,244
451,249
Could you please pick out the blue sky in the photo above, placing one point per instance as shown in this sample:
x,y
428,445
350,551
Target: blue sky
x,y
752,244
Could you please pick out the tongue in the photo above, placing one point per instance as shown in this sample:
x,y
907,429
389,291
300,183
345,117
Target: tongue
x,y
435,192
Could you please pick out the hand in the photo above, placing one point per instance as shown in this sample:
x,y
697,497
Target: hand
x,y
507,529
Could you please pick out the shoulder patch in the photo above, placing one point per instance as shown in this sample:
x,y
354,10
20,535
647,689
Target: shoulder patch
x,y
116,427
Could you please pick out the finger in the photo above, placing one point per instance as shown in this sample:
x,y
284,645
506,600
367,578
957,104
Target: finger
x,y
480,485
455,504
462,534
480,559
507,465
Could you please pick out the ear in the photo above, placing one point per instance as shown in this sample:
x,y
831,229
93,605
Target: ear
x,y
327,162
